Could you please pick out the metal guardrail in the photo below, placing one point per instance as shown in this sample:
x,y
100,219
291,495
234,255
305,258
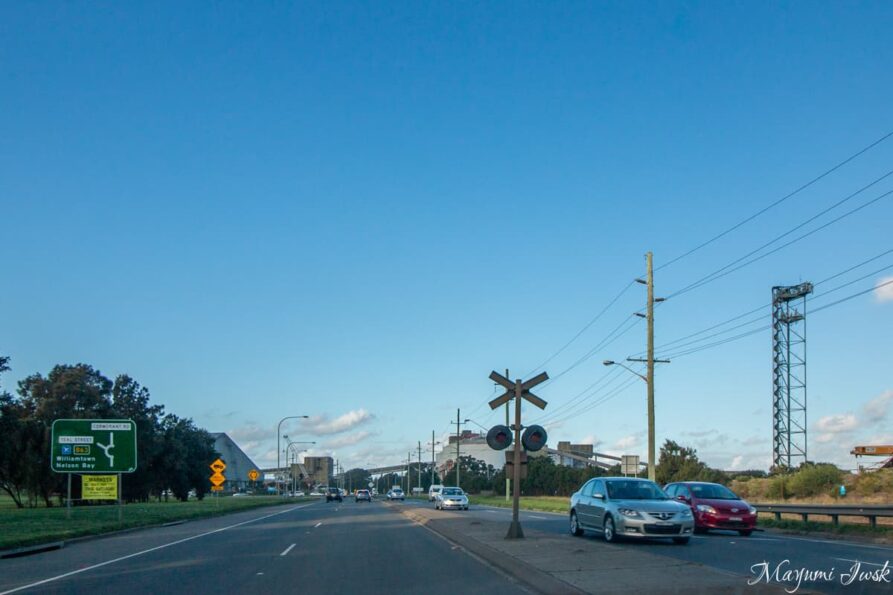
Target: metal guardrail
x,y
833,511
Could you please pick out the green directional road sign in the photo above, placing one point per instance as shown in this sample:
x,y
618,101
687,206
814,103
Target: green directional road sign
x,y
93,446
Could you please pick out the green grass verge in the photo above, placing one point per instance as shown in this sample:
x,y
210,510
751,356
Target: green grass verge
x,y
538,503
820,527
31,526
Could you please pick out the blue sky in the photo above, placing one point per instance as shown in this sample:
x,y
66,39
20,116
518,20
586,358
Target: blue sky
x,y
356,211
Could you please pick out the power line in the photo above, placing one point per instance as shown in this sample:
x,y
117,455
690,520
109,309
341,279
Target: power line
x,y
582,330
777,202
747,334
723,272
762,306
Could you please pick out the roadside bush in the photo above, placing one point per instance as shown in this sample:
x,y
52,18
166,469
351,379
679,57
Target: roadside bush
x,y
813,480
871,483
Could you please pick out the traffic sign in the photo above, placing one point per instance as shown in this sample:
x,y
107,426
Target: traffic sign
x,y
510,390
99,487
216,488
217,479
218,466
253,475
93,446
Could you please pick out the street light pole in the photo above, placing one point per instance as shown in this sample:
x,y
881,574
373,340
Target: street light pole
x,y
279,445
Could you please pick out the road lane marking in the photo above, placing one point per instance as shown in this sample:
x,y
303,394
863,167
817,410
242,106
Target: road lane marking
x,y
539,518
288,549
153,549
859,561
314,526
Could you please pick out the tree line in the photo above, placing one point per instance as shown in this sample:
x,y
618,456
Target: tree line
x,y
173,454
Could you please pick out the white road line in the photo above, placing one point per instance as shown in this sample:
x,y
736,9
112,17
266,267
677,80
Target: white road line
x,y
314,526
860,561
539,518
288,549
156,548
828,542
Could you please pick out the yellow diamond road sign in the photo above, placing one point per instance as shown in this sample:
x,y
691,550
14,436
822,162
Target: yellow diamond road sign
x,y
253,475
217,479
218,466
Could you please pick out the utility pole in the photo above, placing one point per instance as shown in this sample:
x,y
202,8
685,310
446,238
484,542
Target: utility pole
x,y
420,466
432,457
650,361
508,482
458,437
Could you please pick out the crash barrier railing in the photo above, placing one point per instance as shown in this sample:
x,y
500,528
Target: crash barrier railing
x,y
834,511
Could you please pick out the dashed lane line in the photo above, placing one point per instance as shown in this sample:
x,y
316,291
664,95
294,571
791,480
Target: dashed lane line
x,y
288,549
153,549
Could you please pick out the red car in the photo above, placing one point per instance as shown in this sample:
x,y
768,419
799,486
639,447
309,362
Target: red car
x,y
714,506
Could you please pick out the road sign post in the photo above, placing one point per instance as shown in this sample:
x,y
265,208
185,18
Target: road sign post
x,y
517,390
217,478
93,446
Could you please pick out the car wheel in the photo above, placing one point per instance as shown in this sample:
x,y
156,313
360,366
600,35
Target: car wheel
x,y
609,530
745,532
700,530
575,525
466,508
681,540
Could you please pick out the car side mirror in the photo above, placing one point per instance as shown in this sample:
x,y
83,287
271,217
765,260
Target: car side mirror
x,y
599,496
682,498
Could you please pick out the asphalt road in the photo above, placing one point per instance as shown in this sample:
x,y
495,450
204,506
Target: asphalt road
x,y
728,551
310,548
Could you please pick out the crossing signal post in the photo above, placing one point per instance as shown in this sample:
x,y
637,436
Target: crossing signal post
x,y
517,390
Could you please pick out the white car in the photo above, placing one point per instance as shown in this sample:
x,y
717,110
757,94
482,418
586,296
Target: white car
x,y
396,494
433,491
451,498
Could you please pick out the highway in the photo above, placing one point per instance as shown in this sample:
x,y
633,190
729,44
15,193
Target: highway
x,y
726,551
371,547
306,548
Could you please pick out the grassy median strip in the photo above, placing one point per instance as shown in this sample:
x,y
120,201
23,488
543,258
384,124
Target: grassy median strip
x,y
31,526
538,503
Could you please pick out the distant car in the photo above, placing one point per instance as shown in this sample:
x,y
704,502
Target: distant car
x,y
714,506
238,494
628,507
433,491
334,494
396,494
451,498
363,495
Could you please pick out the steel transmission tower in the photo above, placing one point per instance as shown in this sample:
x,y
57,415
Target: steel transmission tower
x,y
789,375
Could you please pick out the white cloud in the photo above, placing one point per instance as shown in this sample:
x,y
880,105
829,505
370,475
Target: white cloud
x,y
835,424
322,425
627,442
251,432
876,409
591,440
348,440
736,464
882,292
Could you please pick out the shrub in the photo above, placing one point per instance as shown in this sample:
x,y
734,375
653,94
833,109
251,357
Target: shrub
x,y
812,480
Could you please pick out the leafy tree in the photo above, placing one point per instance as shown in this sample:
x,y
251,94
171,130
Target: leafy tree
x,y
68,392
681,463
131,401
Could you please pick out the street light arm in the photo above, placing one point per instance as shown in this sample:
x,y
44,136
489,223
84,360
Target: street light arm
x,y
279,444
625,367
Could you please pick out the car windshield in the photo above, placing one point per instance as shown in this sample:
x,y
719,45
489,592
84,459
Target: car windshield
x,y
452,492
712,491
635,490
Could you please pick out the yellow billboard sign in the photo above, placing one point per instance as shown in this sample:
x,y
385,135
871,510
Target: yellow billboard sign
x,y
99,487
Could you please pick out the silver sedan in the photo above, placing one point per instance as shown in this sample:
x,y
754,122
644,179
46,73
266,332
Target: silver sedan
x,y
451,498
628,507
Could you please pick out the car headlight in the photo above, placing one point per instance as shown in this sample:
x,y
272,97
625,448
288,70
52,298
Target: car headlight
x,y
751,509
686,512
706,508
629,512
